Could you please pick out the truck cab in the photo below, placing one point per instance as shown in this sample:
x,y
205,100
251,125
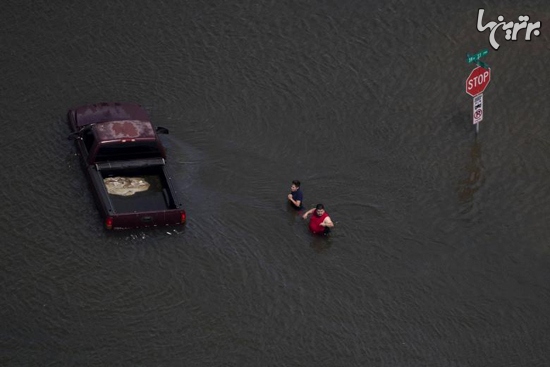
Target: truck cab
x,y
119,147
121,140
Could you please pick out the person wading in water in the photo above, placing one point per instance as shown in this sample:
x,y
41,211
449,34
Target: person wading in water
x,y
296,198
320,222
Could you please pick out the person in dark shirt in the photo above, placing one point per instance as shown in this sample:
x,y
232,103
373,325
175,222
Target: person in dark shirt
x,y
296,197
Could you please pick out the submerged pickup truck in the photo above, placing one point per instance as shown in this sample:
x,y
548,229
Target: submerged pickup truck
x,y
124,161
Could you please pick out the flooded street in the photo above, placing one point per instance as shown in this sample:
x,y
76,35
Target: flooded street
x,y
440,255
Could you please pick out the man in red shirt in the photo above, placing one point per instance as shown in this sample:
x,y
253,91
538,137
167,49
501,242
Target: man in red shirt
x,y
320,222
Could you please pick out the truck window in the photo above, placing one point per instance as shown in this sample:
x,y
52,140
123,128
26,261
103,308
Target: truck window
x,y
128,150
89,139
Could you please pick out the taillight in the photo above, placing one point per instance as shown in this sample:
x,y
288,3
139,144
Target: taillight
x,y
183,217
109,223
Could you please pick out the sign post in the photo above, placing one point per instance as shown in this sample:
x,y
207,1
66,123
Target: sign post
x,y
476,83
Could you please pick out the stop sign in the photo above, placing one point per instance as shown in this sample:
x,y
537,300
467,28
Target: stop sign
x,y
477,81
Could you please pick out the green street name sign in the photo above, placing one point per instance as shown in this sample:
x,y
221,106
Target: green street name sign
x,y
476,57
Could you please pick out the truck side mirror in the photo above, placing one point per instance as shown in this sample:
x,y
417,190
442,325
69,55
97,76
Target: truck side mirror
x,y
162,130
78,134
74,136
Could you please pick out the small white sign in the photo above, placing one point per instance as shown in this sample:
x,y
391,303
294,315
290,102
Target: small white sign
x,y
478,108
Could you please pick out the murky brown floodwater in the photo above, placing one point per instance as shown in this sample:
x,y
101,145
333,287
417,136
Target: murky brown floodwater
x,y
440,255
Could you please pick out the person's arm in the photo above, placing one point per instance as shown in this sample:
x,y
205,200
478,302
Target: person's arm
x,y
308,213
327,223
295,202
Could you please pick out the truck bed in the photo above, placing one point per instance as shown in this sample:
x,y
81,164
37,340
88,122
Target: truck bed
x,y
156,197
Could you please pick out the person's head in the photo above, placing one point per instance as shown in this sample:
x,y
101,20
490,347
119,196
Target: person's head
x,y
320,209
295,186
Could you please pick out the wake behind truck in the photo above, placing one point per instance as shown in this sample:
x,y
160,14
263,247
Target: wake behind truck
x,y
125,163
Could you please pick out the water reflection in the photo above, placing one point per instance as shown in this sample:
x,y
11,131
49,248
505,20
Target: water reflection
x,y
320,243
474,181
295,212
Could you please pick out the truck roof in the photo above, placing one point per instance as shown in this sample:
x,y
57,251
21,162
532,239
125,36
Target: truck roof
x,y
124,129
109,111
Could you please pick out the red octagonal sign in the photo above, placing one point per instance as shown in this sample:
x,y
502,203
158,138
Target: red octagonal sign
x,y
477,81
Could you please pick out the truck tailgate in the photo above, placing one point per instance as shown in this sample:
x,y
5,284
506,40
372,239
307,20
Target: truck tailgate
x,y
147,219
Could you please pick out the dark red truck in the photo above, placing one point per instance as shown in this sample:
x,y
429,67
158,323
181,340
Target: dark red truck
x,y
124,162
